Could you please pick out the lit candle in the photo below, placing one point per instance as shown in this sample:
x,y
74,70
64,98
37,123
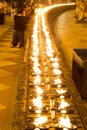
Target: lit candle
x,y
62,107
57,72
40,121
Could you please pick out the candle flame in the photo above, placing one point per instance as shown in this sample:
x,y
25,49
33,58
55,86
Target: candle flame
x,y
38,102
37,80
55,64
54,59
57,81
37,70
61,91
39,91
65,122
41,120
57,71
63,105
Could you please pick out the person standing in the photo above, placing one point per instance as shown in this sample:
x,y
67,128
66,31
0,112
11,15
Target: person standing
x,y
19,29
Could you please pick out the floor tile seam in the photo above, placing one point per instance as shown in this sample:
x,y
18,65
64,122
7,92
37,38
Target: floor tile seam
x,y
2,34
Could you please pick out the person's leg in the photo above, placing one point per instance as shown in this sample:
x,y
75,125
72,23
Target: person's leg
x,y
20,39
15,39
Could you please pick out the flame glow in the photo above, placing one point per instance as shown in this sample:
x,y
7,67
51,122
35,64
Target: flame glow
x,y
63,105
61,91
65,122
40,121
38,102
37,79
39,90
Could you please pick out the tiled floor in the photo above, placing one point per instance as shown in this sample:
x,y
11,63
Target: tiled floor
x,y
9,63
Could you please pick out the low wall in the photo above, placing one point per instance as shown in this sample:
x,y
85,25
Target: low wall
x,y
56,11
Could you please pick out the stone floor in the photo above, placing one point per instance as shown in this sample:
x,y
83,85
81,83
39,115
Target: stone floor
x,y
9,68
72,35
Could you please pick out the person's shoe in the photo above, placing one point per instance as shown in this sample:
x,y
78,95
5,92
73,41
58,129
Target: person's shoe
x,y
11,45
18,45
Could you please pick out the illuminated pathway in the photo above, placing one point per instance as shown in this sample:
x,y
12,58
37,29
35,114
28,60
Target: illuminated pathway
x,y
46,100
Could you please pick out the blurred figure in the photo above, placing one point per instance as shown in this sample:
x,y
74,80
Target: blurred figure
x,y
19,29
14,8
4,6
3,9
27,12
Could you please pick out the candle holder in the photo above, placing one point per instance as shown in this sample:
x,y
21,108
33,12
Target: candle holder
x,y
29,127
58,72
45,95
62,94
33,109
44,127
31,84
45,109
59,128
56,65
33,94
42,123
29,124
73,127
65,123
57,81
62,85
54,59
65,109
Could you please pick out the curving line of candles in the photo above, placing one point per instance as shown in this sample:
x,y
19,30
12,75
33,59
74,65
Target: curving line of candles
x,y
46,71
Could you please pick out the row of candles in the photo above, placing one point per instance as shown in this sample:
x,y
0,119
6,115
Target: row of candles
x,y
47,92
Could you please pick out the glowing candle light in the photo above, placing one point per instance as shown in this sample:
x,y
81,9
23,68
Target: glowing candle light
x,y
38,102
36,63
35,53
57,71
57,81
55,64
39,90
63,105
40,121
54,59
37,80
65,122
61,91
37,70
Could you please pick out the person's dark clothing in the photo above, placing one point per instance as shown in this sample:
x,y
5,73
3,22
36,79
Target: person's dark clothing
x,y
19,23
19,29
